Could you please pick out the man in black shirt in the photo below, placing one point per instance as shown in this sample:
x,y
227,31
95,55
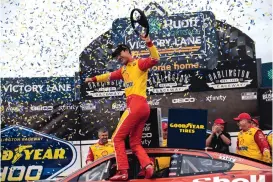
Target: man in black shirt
x,y
219,140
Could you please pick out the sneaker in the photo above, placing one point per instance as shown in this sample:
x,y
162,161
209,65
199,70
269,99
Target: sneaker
x,y
122,175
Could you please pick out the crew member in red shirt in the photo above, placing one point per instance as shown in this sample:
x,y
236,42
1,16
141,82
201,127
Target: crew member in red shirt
x,y
134,72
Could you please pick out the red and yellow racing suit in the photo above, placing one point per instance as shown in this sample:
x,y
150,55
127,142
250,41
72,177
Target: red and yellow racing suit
x,y
98,150
135,75
253,144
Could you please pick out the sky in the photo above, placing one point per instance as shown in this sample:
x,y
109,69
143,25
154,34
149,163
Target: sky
x,y
43,38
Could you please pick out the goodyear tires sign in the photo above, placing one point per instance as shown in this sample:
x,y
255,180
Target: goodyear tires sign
x,y
27,155
189,126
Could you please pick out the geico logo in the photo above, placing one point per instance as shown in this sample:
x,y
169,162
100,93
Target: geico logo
x,y
183,100
31,154
253,178
41,108
21,173
147,135
118,106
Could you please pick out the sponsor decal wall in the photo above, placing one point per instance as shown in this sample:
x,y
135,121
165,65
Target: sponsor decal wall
x,y
27,155
60,120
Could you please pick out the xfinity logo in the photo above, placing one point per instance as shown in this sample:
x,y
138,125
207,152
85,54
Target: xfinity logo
x,y
41,108
253,178
216,98
154,102
183,100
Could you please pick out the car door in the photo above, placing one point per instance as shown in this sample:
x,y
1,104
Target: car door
x,y
102,171
185,168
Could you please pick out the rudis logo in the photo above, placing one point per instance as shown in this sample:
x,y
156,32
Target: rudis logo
x,y
251,178
230,78
183,100
27,155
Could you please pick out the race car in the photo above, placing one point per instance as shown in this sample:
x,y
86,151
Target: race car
x,y
184,165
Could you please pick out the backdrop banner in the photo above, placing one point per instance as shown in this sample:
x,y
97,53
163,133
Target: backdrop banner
x,y
227,75
81,120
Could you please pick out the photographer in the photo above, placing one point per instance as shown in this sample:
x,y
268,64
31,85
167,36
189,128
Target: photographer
x,y
218,140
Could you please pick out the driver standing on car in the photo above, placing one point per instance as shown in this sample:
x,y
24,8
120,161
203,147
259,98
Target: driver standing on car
x,y
251,141
134,72
100,149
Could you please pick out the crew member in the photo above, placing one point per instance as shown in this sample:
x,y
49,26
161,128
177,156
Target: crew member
x,y
134,72
251,141
163,162
255,123
219,140
165,133
100,149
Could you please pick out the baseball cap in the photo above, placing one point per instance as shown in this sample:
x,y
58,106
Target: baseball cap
x,y
119,48
164,125
243,116
255,121
219,121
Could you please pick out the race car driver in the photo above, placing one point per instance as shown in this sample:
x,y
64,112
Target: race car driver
x,y
134,72
100,149
251,141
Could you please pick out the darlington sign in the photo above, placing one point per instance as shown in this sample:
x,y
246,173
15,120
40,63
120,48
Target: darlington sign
x,y
29,155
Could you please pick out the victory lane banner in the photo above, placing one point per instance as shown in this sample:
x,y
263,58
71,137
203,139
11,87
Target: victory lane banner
x,y
189,36
27,155
38,89
187,128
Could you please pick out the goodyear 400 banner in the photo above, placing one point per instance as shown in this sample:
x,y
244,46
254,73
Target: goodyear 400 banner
x,y
27,155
